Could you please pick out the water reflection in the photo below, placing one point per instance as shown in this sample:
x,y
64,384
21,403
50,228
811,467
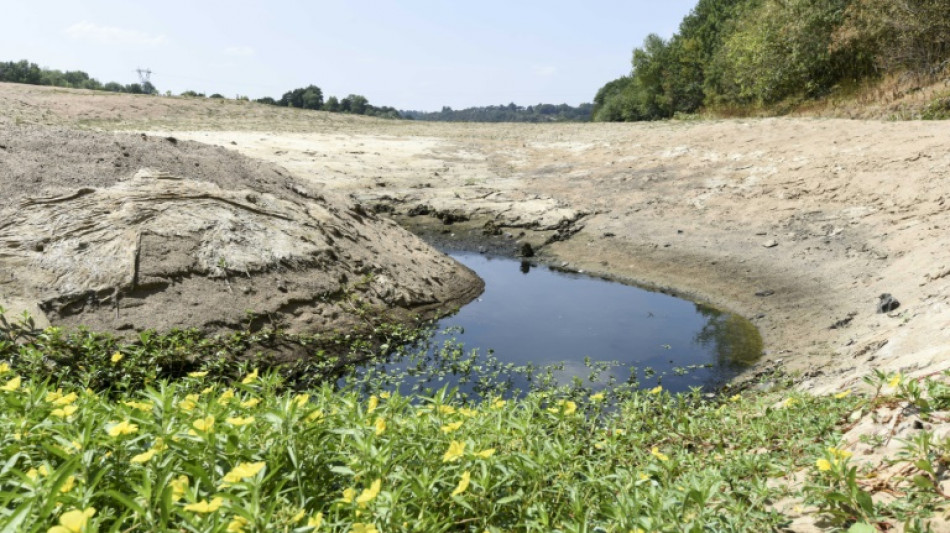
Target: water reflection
x,y
573,328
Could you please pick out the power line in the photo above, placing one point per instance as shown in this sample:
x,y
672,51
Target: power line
x,y
145,78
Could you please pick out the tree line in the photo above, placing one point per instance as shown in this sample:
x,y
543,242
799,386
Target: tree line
x,y
507,113
30,73
748,54
311,97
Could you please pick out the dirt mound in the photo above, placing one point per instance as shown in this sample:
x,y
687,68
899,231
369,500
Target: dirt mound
x,y
128,232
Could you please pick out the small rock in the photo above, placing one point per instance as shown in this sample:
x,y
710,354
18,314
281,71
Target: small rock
x,y
887,303
771,243
765,293
527,250
609,234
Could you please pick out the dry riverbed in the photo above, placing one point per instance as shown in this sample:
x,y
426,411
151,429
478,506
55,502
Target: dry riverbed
x,y
800,225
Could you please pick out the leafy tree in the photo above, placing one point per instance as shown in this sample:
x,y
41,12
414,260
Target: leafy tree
x,y
354,103
332,105
909,35
310,97
266,100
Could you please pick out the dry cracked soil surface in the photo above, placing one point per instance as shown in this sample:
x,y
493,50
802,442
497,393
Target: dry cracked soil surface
x,y
800,225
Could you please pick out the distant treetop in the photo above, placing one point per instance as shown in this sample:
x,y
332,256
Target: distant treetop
x,y
507,113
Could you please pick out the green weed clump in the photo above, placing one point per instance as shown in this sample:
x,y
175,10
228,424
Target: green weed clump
x,y
197,457
254,450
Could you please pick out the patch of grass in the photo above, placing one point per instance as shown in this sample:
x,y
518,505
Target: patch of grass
x,y
111,441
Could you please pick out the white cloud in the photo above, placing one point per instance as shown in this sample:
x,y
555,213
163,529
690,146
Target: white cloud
x,y
110,35
545,71
239,51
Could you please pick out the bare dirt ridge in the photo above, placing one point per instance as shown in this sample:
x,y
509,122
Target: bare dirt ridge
x,y
798,224
124,232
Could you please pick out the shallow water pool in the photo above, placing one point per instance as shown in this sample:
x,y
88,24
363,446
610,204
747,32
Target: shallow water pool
x,y
541,317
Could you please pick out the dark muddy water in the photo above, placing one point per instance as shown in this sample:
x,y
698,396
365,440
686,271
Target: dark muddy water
x,y
538,316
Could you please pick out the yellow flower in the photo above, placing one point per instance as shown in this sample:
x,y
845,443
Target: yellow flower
x,y
12,385
189,403
348,495
735,398
823,465
314,416
198,374
204,506
385,395
360,527
839,454
35,473
569,407
141,406
236,421
206,390
843,394
463,483
298,517
237,524
122,428
465,411
204,424
449,428
446,410
498,403
485,454
643,477
66,400
370,494
380,425
789,402
116,357
250,402
68,485
242,471
658,454
656,390
179,485
315,521
226,397
894,381
599,397
4,367
301,400
250,378
456,450
372,404
64,412
73,521
145,457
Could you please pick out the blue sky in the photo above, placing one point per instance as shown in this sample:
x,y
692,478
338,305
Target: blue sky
x,y
415,54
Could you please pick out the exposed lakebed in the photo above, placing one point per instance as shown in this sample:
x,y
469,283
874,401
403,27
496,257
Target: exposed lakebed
x,y
582,328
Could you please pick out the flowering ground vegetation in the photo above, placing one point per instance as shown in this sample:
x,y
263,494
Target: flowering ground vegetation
x,y
91,439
